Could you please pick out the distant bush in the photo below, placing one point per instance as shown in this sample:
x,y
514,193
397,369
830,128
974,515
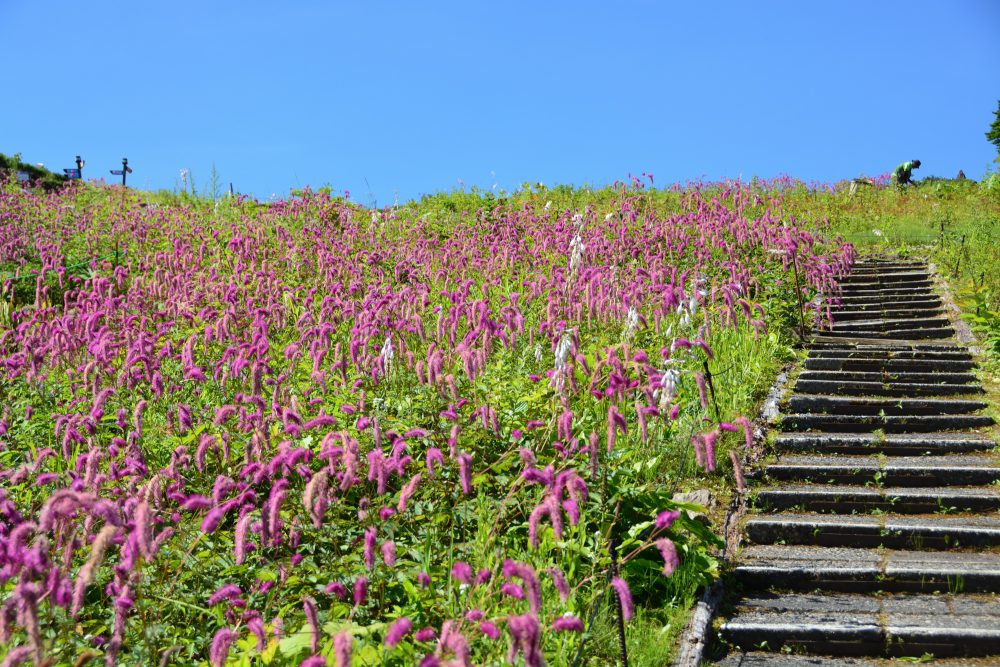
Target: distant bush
x,y
39,176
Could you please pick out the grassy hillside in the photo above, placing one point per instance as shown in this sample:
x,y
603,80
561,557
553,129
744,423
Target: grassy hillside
x,y
297,431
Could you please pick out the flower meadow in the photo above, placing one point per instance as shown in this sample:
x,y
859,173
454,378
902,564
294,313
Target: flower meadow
x,y
309,433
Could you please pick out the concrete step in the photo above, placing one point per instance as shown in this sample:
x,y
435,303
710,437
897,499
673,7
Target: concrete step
x,y
871,530
885,313
914,321
929,333
886,352
860,388
846,310
879,365
886,293
888,424
889,625
892,346
894,378
897,444
841,498
845,300
888,278
909,471
758,659
862,405
883,263
916,286
844,569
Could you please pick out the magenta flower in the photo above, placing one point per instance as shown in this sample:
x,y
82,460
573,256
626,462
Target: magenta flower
x,y
389,553
426,635
343,642
624,597
337,589
370,543
221,642
567,624
462,572
666,519
669,553
490,630
397,631
227,592
465,473
360,591
312,617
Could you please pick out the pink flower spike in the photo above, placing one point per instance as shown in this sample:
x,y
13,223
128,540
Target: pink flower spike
x,y
465,473
567,624
389,553
337,589
624,597
342,645
461,572
512,590
397,631
669,553
360,591
490,630
666,519
559,581
219,652
426,635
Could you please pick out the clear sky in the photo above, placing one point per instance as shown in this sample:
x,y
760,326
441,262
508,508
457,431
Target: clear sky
x,y
396,99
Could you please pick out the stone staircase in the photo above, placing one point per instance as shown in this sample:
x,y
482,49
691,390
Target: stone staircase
x,y
875,530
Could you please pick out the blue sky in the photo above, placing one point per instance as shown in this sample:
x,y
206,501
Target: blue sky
x,y
391,99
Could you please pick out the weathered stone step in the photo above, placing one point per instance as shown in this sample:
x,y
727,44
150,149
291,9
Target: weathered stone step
x,y
883,262
885,278
758,659
867,308
887,293
857,570
896,444
879,290
861,405
845,300
840,498
877,365
917,321
928,333
911,471
893,280
900,378
889,424
889,388
886,352
869,530
884,313
890,346
846,624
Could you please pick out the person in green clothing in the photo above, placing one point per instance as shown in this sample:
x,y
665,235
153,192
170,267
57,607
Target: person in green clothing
x,y
901,174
